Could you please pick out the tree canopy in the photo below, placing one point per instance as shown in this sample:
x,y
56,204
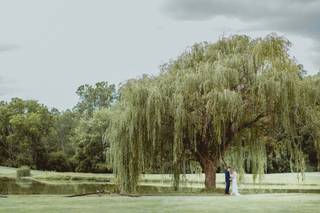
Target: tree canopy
x,y
71,140
92,98
89,137
25,130
221,100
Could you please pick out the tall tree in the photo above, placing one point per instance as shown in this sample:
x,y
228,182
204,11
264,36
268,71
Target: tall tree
x,y
96,97
214,99
93,110
25,129
4,132
91,143
311,131
65,124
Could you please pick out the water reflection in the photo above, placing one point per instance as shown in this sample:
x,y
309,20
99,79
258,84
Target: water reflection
x,y
28,186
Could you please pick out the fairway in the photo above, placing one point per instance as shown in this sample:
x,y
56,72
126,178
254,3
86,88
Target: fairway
x,y
245,203
164,201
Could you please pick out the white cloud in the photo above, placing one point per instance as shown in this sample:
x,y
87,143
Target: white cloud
x,y
298,17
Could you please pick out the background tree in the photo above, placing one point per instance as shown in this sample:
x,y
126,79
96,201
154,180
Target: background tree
x,y
4,132
26,127
311,131
96,97
65,125
91,146
226,98
63,148
70,140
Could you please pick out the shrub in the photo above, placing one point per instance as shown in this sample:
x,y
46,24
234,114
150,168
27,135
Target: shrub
x,y
23,171
59,162
102,168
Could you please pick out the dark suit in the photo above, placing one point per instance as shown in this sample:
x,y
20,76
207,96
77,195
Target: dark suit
x,y
227,180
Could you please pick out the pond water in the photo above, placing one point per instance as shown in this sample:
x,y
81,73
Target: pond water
x,y
28,186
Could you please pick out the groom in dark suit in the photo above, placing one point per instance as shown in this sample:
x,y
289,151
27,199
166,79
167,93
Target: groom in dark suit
x,y
227,180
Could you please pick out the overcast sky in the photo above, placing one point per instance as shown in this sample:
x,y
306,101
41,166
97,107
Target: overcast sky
x,y
50,47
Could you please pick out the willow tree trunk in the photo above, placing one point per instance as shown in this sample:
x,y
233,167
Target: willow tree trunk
x,y
209,167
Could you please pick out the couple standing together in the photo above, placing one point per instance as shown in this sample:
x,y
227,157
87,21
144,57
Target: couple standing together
x,y
231,175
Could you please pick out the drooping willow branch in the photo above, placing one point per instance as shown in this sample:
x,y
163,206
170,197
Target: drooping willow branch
x,y
220,100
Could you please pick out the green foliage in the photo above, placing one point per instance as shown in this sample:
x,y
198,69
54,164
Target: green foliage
x,y
92,146
32,135
89,137
65,124
58,161
218,100
278,159
23,171
96,97
25,128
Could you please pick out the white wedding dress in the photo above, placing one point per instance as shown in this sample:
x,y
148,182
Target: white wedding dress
x,y
234,184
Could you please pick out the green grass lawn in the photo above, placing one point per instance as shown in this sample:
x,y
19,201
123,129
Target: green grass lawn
x,y
291,203
199,202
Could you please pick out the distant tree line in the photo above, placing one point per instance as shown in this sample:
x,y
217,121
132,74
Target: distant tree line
x,y
47,139
76,140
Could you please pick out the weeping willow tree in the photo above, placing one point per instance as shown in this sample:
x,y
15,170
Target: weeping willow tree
x,y
312,97
231,96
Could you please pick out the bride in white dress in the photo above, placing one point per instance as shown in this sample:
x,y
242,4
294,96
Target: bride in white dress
x,y
234,183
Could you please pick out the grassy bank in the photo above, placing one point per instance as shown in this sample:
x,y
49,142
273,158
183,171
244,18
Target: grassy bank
x,y
58,176
290,203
